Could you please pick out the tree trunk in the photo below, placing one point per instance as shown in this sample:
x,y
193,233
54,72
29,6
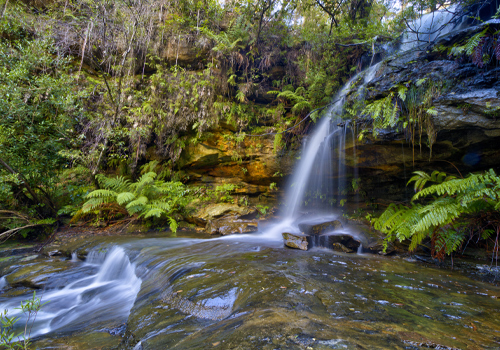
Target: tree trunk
x,y
4,9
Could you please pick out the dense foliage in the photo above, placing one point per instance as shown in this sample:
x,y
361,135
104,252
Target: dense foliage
x,y
449,211
94,87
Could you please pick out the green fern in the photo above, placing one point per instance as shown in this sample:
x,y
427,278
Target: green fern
x,y
453,209
383,112
147,198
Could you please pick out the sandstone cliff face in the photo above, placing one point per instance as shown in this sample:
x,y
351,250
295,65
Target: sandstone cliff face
x,y
252,165
467,123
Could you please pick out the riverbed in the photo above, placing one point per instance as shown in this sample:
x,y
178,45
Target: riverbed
x,y
155,291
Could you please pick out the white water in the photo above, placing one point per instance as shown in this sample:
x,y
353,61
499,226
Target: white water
x,y
74,257
432,25
317,155
3,283
107,295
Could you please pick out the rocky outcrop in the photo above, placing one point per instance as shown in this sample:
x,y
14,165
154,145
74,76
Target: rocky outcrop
x,y
251,165
231,224
185,50
202,213
297,240
224,218
466,126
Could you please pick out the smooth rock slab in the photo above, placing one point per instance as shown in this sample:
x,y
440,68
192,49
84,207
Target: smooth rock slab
x,y
231,224
297,240
214,211
318,229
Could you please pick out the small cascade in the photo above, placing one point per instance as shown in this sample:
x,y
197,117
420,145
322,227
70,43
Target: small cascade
x,y
3,283
74,257
106,295
430,26
360,249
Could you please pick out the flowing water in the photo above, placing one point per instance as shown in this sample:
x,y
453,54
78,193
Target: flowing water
x,y
430,26
185,293
248,291
104,290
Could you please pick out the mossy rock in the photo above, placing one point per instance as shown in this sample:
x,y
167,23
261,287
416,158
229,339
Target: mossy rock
x,y
318,229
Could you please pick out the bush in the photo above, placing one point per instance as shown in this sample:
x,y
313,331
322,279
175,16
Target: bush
x,y
145,199
449,211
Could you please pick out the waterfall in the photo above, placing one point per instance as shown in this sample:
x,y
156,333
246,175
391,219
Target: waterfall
x,y
108,294
321,169
315,166
430,26
3,283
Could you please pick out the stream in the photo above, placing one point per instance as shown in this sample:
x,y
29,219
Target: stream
x,y
239,292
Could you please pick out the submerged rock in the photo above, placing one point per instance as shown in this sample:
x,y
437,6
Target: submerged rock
x,y
318,229
297,240
231,224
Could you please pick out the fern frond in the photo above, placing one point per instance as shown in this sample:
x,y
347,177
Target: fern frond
x,y
473,42
156,212
124,197
94,203
173,224
140,201
101,193
118,184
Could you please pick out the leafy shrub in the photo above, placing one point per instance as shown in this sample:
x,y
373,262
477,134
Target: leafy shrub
x,y
147,198
8,338
456,209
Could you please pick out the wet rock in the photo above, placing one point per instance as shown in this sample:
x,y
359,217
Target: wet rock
x,y
339,247
54,253
297,240
214,211
466,110
318,229
347,241
378,248
231,224
35,275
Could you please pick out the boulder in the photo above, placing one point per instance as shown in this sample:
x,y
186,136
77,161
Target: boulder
x,y
231,224
297,240
378,248
213,211
318,229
